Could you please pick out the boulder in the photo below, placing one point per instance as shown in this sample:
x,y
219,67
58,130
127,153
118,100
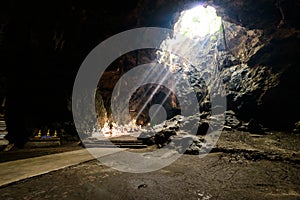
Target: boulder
x,y
187,144
254,127
231,120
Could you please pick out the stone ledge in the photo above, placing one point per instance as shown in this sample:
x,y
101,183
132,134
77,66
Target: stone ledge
x,y
43,142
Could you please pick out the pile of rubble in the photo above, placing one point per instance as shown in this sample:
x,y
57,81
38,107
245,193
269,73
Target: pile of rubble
x,y
187,134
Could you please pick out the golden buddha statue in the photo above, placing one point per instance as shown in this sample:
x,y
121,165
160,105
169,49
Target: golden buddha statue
x,y
48,133
55,133
39,134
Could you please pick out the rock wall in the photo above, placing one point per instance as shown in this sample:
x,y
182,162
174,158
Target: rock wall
x,y
43,44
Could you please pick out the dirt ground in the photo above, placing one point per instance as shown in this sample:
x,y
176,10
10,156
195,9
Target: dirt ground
x,y
243,166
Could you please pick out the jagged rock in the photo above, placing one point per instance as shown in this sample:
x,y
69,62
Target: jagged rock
x,y
254,127
242,128
148,137
193,149
204,115
180,132
231,120
197,146
165,130
205,106
185,143
175,126
297,127
203,127
216,122
162,137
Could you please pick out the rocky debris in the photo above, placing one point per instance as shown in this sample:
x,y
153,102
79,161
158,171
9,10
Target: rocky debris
x,y
296,127
198,146
231,120
254,127
147,137
188,133
160,133
216,122
243,127
163,137
205,106
188,144
165,130
182,134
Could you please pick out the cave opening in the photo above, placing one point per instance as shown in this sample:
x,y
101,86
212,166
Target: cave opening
x,y
153,104
198,21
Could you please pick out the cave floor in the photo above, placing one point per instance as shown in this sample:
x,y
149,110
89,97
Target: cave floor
x,y
242,166
17,154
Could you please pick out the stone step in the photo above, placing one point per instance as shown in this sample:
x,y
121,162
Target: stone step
x,y
2,125
124,141
3,143
118,141
115,143
2,128
96,145
39,144
2,137
3,132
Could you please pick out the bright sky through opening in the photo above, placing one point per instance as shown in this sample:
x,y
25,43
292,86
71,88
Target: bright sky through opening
x,y
199,21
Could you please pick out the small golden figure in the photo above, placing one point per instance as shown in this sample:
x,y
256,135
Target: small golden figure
x,y
55,133
134,121
39,134
48,133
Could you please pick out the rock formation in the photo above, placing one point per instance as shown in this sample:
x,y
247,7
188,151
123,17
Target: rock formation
x,y
43,45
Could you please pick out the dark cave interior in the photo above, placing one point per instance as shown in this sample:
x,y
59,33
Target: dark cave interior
x,y
207,109
43,44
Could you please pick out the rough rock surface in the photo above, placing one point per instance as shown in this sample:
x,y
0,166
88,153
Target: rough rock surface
x,y
257,58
